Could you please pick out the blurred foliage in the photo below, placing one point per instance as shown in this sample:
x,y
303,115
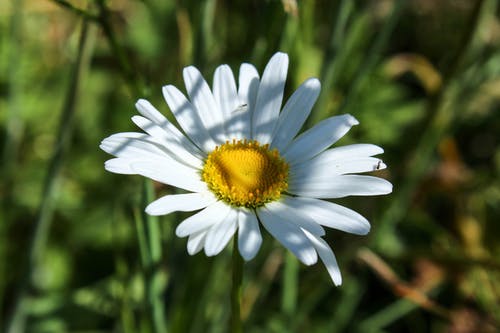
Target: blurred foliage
x,y
423,78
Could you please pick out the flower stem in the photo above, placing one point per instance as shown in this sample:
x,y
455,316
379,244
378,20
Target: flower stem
x,y
236,325
290,277
150,249
155,278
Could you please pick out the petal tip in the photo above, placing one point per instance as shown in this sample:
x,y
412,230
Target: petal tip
x,y
150,210
337,281
190,72
247,257
365,231
279,58
248,254
351,120
223,67
189,68
166,88
136,118
280,54
310,260
390,187
180,232
313,82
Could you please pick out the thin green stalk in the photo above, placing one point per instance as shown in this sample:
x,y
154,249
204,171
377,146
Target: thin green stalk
x,y
236,324
152,225
351,295
80,12
290,278
387,316
122,269
141,238
204,37
131,78
149,241
17,319
154,276
134,82
374,55
332,63
290,34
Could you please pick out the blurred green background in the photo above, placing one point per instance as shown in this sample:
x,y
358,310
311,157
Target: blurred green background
x,y
78,255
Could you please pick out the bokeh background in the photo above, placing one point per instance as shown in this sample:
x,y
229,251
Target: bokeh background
x,y
77,254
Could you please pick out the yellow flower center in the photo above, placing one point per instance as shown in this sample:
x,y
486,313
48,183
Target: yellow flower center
x,y
245,173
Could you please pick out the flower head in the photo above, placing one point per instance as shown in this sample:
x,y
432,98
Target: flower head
x,y
241,159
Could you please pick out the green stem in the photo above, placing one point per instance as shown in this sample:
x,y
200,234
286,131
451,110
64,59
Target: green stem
x,y
236,325
154,276
290,278
374,55
149,239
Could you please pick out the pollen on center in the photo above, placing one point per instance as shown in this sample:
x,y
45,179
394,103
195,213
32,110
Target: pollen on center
x,y
246,173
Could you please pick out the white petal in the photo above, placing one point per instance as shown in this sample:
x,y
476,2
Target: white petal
x,y
290,235
287,211
119,165
180,202
196,241
332,215
249,237
177,149
294,114
225,94
130,135
188,118
131,148
149,111
171,172
127,136
219,234
209,216
323,164
315,140
327,256
248,86
353,151
339,186
269,98
201,96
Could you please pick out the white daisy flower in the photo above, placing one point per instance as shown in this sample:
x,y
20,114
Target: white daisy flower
x,y
244,165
